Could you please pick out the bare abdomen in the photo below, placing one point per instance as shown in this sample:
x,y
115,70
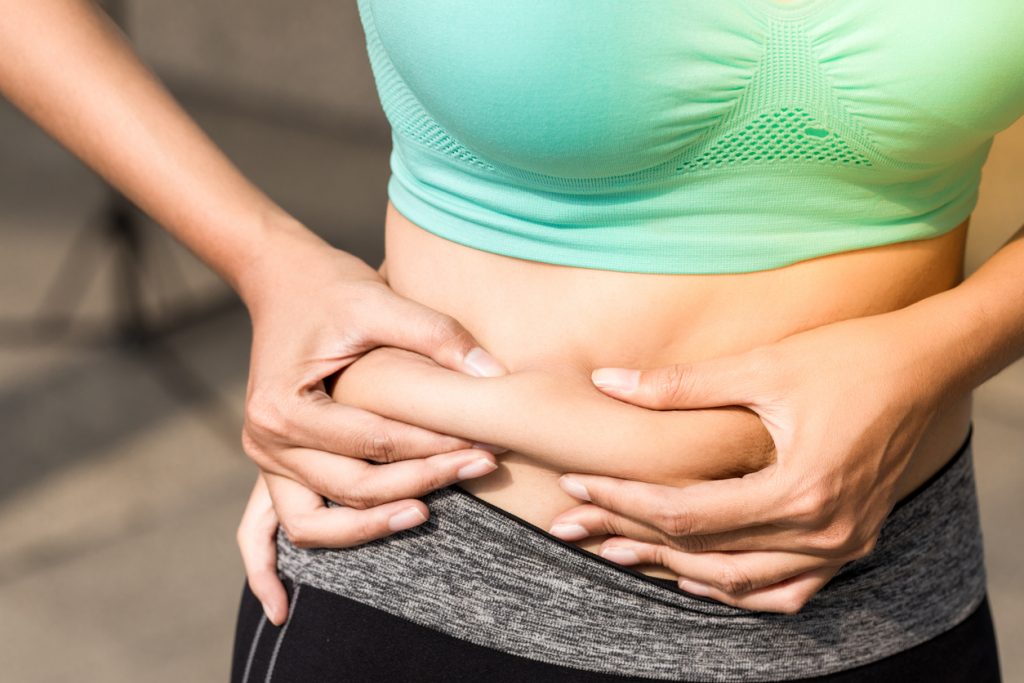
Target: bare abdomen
x,y
551,325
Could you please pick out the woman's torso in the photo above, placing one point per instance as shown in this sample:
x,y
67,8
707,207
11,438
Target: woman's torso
x,y
537,315
678,136
723,140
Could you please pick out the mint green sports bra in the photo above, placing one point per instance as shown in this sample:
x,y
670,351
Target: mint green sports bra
x,y
691,136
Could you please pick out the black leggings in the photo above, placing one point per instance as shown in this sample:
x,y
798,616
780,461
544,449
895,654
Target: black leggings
x,y
329,637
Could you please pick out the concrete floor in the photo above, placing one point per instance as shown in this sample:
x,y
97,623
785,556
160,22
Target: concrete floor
x,y
121,489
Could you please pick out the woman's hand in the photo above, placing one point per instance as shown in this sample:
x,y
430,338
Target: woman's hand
x,y
257,535
256,538
845,403
316,310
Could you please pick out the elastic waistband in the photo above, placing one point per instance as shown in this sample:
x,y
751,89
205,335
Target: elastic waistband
x,y
476,572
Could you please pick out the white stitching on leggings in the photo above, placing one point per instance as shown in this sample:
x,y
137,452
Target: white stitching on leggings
x,y
280,636
252,648
481,576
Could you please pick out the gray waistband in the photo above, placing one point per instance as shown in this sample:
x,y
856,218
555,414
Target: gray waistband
x,y
477,573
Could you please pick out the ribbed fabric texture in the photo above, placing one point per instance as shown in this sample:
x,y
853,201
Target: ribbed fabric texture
x,y
678,136
475,572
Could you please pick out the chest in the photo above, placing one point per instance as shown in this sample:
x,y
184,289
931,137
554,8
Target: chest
x,y
606,87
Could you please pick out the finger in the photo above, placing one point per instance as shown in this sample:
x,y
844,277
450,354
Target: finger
x,y
723,381
436,335
325,425
733,573
707,507
585,521
309,523
359,484
256,541
787,597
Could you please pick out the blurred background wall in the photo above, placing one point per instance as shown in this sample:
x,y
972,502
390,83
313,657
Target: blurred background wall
x,y
118,462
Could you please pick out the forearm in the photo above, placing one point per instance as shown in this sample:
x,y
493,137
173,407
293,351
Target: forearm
x,y
559,419
66,65
973,331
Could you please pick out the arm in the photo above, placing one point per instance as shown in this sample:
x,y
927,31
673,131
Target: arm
x,y
314,308
980,323
71,70
844,432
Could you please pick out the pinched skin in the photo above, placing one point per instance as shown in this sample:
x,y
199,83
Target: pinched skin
x,y
556,416
551,325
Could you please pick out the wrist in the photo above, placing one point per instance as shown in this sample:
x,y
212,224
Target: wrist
x,y
283,249
954,340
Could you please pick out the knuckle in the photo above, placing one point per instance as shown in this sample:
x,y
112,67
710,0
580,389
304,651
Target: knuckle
x,y
813,506
669,558
830,540
610,524
839,538
364,530
264,420
253,448
317,481
249,444
732,579
299,532
434,478
376,446
444,331
671,382
864,549
692,544
360,493
674,522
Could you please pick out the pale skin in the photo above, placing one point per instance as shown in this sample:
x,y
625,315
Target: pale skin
x,y
879,369
856,367
880,361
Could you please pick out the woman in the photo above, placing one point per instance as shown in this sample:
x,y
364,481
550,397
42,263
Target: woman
x,y
769,203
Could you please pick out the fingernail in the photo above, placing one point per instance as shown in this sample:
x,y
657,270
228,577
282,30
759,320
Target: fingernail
x,y
694,587
477,468
406,519
569,532
483,364
490,448
620,555
619,379
574,488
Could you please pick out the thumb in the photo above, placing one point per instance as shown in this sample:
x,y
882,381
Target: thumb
x,y
418,328
725,381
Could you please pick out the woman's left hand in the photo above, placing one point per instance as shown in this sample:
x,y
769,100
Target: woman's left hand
x,y
846,404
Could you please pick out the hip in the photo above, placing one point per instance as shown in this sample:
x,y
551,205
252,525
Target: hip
x,y
479,574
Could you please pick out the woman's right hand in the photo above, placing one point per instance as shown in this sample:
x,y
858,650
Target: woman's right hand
x,y
315,310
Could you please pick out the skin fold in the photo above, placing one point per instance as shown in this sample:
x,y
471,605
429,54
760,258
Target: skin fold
x,y
553,325
550,413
